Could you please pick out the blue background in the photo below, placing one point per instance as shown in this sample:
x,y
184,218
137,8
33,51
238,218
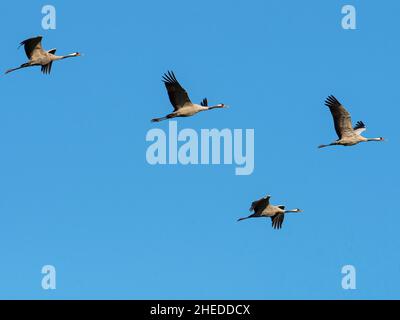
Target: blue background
x,y
76,191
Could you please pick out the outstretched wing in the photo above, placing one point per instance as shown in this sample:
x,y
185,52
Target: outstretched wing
x,y
46,69
341,117
259,204
204,103
177,94
33,47
359,127
277,220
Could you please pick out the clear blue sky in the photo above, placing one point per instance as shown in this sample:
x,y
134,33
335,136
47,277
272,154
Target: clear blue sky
x,y
76,191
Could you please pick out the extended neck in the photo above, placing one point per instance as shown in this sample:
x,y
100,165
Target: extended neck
x,y
215,107
205,108
71,55
293,210
375,139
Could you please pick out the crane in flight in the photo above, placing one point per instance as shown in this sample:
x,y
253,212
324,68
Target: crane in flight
x,y
180,100
348,136
262,208
39,57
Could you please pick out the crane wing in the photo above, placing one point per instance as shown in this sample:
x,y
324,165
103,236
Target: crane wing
x,y
359,128
33,47
46,69
259,204
176,93
277,220
341,117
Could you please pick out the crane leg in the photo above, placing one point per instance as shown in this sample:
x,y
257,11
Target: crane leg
x,y
20,67
168,116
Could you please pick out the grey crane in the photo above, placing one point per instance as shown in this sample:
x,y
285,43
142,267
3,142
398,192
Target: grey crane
x,y
180,100
348,136
39,57
262,208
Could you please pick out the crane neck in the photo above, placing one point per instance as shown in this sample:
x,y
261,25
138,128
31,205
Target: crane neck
x,y
214,107
293,210
71,55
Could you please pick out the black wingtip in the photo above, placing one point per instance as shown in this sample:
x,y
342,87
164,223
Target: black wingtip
x,y
331,101
276,225
46,69
204,103
359,125
169,77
